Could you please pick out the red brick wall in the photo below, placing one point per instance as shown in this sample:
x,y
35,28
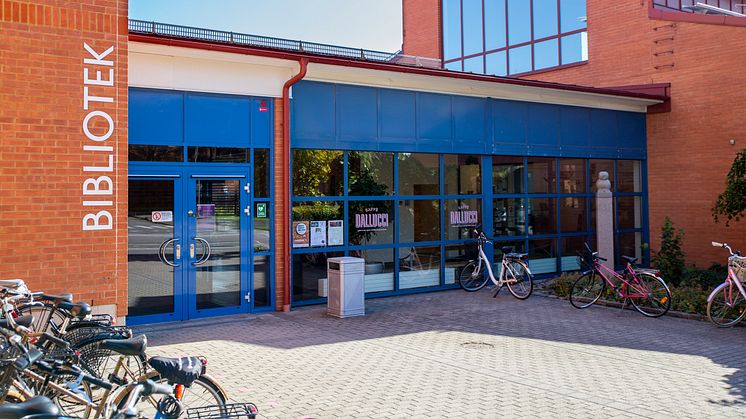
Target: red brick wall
x,y
41,149
689,153
281,209
421,28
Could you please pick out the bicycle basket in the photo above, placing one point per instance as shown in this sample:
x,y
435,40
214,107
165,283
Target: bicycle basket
x,y
235,410
91,332
738,265
585,260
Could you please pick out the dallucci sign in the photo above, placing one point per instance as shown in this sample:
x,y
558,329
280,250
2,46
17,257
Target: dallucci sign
x,y
371,220
98,88
463,217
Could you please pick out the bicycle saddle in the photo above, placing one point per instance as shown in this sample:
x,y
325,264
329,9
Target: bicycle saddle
x,y
24,321
516,255
506,249
135,346
11,283
38,405
630,259
178,370
57,298
79,310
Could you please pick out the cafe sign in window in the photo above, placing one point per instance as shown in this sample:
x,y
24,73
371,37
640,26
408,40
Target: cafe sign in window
x,y
371,222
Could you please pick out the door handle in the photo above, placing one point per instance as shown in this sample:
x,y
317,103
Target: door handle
x,y
162,252
205,254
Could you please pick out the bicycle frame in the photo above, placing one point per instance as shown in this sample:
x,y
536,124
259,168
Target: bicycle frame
x,y
599,268
504,266
729,295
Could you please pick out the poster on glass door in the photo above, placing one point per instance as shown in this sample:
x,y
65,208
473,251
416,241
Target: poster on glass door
x,y
318,233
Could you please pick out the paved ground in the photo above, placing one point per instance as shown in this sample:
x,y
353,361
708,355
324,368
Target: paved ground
x,y
457,354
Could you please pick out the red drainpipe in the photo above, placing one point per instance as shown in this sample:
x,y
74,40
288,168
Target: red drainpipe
x,y
286,182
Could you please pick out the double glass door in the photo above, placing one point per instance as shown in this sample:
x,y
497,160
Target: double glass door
x,y
189,252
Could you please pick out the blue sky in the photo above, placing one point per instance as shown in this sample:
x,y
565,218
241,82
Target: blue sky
x,y
369,24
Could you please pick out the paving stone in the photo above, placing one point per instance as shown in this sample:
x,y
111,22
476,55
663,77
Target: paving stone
x,y
457,354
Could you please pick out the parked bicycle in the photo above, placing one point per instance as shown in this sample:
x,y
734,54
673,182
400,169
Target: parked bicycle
x,y
726,304
514,271
644,288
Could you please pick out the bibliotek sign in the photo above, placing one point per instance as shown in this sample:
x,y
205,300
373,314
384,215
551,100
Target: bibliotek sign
x,y
98,88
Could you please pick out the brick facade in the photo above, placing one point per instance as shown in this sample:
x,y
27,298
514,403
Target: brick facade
x,y
689,150
42,155
417,14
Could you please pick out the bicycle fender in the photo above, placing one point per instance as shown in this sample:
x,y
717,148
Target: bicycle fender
x,y
208,377
715,291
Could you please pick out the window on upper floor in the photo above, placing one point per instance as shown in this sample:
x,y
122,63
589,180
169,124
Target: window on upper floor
x,y
722,7
508,37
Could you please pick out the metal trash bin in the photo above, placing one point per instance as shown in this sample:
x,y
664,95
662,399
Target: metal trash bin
x,y
346,287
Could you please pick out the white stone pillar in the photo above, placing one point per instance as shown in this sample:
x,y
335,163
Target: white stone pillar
x,y
605,219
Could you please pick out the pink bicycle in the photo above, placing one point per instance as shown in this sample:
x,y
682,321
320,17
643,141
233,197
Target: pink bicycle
x,y
726,304
647,292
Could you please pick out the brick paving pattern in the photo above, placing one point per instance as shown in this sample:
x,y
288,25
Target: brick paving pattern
x,y
458,354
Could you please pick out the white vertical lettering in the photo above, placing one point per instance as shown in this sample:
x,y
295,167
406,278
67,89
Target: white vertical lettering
x,y
92,136
88,98
99,58
98,81
93,221
97,189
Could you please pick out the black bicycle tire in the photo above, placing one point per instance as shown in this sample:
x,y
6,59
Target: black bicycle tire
x,y
206,381
530,282
461,275
667,302
715,293
594,276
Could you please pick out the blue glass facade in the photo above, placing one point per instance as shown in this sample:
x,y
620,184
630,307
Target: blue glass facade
x,y
508,37
400,173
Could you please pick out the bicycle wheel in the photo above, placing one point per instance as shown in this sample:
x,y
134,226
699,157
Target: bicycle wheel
x,y
587,290
472,277
46,318
203,392
727,306
649,295
520,281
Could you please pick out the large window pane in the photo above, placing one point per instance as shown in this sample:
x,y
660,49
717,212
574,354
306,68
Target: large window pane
x,y
508,217
472,10
419,267
629,212
317,172
309,275
520,59
159,153
519,21
573,49
307,231
497,63
628,176
456,257
630,244
542,256
474,64
573,214
571,248
419,174
494,24
419,221
452,29
262,173
461,216
545,18
463,174
454,65
379,269
262,297
541,175
572,176
370,173
371,222
572,15
507,175
205,154
598,166
542,217
262,224
546,54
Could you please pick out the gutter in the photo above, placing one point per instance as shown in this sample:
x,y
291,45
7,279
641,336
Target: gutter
x,y
287,219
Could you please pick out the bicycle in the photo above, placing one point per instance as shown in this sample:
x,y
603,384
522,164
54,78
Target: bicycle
x,y
726,304
647,292
514,271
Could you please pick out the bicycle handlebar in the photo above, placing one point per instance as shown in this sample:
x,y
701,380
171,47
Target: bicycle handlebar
x,y
725,246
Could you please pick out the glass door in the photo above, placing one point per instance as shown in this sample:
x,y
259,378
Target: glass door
x,y
155,249
217,251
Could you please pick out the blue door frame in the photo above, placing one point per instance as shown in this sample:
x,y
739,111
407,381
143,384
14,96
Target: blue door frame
x,y
185,179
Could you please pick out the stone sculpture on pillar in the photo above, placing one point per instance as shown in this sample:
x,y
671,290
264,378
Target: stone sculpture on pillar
x,y
605,219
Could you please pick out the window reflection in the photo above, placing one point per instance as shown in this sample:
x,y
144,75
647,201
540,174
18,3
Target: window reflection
x,y
507,174
419,220
541,175
463,174
419,174
317,172
370,173
508,217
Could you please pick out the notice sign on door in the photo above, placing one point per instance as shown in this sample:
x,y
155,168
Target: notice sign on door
x,y
300,234
261,210
161,216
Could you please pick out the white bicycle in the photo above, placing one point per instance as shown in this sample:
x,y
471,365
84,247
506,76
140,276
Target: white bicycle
x,y
514,271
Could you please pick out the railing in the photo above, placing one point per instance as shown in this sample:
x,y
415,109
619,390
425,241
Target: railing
x,y
738,6
242,39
